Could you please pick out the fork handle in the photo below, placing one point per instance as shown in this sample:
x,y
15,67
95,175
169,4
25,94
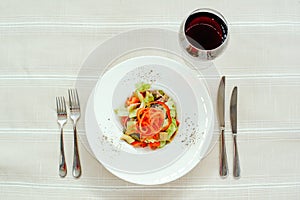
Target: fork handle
x,y
62,160
76,160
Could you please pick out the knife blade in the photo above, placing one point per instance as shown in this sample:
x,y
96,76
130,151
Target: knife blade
x,y
223,168
221,102
233,111
233,120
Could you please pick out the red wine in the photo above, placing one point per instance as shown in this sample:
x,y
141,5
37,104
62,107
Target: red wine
x,y
205,30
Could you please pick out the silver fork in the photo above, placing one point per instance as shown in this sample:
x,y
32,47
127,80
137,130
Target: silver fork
x,y
75,115
61,120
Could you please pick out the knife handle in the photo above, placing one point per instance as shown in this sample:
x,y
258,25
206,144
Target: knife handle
x,y
236,160
223,170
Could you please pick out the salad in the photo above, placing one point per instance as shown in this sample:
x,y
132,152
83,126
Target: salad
x,y
149,118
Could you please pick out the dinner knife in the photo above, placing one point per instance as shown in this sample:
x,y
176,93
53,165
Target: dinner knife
x,y
223,168
233,120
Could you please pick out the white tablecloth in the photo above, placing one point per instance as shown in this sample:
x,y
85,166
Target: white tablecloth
x,y
43,44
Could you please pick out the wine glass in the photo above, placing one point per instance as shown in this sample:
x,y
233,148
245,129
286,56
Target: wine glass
x,y
204,34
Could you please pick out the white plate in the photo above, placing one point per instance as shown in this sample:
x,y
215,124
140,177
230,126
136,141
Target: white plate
x,y
143,166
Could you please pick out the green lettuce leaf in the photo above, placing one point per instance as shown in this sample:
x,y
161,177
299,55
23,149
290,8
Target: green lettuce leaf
x,y
171,104
172,129
148,98
162,144
142,87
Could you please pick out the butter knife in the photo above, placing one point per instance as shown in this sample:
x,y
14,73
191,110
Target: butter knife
x,y
223,168
233,120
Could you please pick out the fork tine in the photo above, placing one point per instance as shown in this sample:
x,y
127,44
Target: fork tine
x,y
73,98
59,105
70,97
77,98
63,105
56,104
